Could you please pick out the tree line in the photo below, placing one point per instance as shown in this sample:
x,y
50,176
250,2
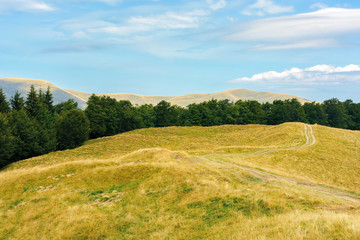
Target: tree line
x,y
35,126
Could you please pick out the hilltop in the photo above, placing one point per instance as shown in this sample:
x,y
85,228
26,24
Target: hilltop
x,y
10,85
226,182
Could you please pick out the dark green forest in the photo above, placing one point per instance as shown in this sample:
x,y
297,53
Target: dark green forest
x,y
34,126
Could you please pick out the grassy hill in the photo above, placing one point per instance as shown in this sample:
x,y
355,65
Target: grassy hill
x,y
184,100
289,181
10,85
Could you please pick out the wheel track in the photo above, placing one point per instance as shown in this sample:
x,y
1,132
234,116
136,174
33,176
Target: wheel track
x,y
267,176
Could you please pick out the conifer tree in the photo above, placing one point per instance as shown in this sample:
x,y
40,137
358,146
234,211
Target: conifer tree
x,y
17,101
32,104
26,131
4,105
7,146
48,100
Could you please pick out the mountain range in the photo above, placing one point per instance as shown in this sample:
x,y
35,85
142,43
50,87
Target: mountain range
x,y
11,85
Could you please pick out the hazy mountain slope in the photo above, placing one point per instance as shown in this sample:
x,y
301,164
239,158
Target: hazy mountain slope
x,y
233,95
189,183
10,85
184,100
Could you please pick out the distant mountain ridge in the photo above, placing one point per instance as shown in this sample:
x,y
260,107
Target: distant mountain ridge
x,y
10,85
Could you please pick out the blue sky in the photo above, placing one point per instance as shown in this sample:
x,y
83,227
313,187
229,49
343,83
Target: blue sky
x,y
153,47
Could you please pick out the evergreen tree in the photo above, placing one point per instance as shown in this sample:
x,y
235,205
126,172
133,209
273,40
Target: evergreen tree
x,y
72,129
96,115
17,101
66,106
7,146
26,131
47,132
4,105
32,104
47,99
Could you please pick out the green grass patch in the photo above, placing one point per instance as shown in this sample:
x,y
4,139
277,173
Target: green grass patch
x,y
216,209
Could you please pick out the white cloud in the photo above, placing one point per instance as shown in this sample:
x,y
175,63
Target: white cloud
x,y
263,7
215,5
306,44
110,2
25,6
316,75
137,24
318,6
299,30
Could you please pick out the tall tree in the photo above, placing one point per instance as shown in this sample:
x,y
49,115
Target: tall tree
x,y
336,112
26,131
17,101
69,104
147,114
4,105
32,104
166,115
296,111
97,117
353,112
315,113
129,118
7,146
72,129
48,100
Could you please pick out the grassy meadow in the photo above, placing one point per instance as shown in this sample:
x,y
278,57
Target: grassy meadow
x,y
189,183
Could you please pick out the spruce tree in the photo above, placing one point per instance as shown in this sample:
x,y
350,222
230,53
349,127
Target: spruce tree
x,y
17,101
26,131
32,104
4,105
7,146
48,100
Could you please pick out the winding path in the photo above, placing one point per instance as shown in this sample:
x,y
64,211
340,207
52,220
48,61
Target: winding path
x,y
267,176
310,140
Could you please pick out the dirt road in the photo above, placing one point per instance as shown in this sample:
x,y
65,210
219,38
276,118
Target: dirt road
x,y
268,177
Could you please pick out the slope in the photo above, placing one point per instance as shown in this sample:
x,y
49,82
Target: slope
x,y
190,183
11,85
184,100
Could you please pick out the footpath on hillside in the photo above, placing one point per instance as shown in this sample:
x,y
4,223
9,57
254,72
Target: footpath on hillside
x,y
267,176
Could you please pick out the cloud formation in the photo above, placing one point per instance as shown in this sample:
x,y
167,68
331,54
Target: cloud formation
x,y
83,27
25,6
306,30
215,5
316,75
264,7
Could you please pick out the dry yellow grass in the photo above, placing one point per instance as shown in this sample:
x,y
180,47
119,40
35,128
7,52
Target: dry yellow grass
x,y
333,160
149,184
